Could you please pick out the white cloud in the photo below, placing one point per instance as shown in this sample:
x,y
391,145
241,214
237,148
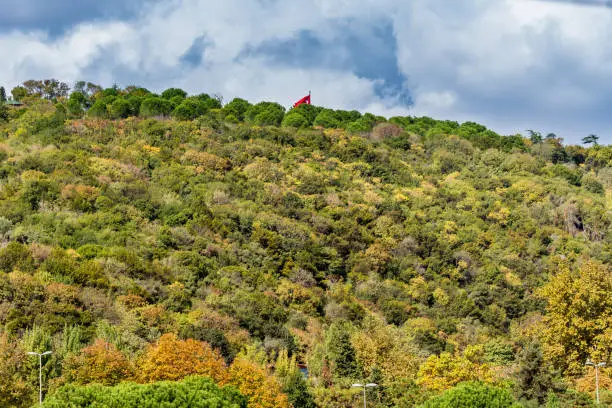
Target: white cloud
x,y
511,64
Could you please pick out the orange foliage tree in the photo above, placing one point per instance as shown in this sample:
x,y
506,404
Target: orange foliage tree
x,y
173,359
100,363
263,390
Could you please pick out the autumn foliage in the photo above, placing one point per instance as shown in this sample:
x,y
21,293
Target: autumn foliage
x,y
100,363
410,252
173,359
263,390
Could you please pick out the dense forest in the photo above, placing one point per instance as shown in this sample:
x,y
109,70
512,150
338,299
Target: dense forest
x,y
175,249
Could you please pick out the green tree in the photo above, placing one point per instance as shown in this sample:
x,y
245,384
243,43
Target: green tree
x,y
535,137
137,91
19,92
76,103
590,139
265,114
327,118
2,95
52,89
196,392
292,381
189,109
119,109
4,113
172,92
155,106
209,101
294,119
213,336
98,110
534,379
308,111
237,107
341,352
473,395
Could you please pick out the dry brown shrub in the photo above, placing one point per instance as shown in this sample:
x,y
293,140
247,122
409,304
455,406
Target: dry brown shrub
x,y
384,131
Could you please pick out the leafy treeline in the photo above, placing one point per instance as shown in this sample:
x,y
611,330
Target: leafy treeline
x,y
146,239
193,392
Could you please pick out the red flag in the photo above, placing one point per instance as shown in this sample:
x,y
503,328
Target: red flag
x,y
305,100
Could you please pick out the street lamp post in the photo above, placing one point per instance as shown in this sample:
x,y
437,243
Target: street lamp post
x,y
596,365
365,404
32,353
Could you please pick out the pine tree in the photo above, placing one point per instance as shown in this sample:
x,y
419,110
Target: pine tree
x,y
2,94
293,381
534,378
341,352
590,139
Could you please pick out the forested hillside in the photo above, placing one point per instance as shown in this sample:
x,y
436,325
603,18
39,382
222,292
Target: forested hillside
x,y
149,238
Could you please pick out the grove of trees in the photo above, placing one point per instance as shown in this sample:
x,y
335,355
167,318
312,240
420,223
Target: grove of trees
x,y
171,247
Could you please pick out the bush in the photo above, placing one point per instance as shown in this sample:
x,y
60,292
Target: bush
x,y
473,395
591,184
385,131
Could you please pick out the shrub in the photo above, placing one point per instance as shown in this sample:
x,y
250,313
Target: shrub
x,y
473,395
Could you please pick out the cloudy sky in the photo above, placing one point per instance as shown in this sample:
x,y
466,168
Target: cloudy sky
x,y
509,64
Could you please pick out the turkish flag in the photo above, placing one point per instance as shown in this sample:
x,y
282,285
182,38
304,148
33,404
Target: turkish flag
x,y
305,99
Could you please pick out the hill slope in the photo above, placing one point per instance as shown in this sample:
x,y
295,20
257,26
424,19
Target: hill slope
x,y
409,252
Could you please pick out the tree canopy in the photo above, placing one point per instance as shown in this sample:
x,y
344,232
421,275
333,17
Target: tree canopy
x,y
147,236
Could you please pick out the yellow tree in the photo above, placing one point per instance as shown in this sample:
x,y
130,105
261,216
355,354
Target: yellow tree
x,y
442,372
578,323
263,390
173,359
100,363
384,347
